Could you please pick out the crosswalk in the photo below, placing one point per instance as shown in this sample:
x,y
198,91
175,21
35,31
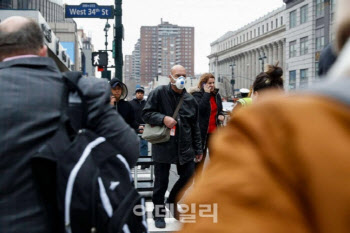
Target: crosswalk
x,y
172,225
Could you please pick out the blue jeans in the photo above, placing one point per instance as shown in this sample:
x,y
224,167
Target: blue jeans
x,y
143,147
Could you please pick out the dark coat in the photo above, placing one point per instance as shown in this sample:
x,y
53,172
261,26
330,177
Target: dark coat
x,y
186,143
127,112
138,105
203,100
30,100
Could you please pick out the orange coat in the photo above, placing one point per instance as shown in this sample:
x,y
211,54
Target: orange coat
x,y
280,166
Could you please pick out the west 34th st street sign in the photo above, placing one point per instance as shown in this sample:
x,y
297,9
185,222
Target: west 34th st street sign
x,y
89,10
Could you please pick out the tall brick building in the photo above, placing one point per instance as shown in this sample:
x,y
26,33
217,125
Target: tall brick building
x,y
163,46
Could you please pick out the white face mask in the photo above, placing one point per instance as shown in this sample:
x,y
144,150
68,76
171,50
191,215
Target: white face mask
x,y
179,82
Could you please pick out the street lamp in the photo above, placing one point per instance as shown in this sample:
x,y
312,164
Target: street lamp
x,y
262,58
233,78
107,27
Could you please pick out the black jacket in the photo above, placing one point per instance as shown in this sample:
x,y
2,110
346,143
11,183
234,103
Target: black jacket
x,y
29,117
138,105
186,143
127,112
203,100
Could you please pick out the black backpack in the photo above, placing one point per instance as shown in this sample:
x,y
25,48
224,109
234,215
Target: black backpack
x,y
84,182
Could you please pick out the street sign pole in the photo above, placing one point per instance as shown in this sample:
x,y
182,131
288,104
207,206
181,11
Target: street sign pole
x,y
118,36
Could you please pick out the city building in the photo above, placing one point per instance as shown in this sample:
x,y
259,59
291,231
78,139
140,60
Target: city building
x,y
309,30
136,63
51,10
162,47
67,32
55,49
238,56
86,54
127,72
294,35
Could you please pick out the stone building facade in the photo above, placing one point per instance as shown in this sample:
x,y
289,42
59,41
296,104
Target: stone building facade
x,y
240,55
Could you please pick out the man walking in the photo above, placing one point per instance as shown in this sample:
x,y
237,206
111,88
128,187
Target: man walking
x,y
31,89
138,103
185,142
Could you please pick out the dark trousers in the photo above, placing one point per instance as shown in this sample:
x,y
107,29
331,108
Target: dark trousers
x,y
200,165
161,173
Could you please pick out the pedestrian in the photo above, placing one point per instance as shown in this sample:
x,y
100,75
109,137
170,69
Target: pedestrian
x,y
245,99
185,142
270,80
288,168
210,111
118,101
138,103
31,90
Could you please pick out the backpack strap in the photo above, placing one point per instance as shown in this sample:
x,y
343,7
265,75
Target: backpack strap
x,y
336,89
178,106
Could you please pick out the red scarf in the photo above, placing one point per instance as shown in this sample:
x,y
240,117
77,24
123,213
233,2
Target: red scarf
x,y
214,109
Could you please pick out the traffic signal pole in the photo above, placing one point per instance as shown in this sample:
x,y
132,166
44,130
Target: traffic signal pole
x,y
118,37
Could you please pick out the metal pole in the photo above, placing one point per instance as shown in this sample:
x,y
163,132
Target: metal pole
x,y
233,78
106,34
118,37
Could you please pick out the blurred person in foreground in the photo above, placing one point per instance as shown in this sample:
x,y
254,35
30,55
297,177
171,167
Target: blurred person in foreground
x,y
210,110
283,165
31,89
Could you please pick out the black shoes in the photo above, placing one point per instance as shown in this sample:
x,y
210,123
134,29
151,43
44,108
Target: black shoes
x,y
159,222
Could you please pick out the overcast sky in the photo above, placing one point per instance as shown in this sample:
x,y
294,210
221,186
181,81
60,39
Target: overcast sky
x,y
211,19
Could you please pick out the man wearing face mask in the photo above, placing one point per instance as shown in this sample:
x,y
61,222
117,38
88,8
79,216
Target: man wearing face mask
x,y
184,146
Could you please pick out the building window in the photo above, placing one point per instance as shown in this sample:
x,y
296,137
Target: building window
x,y
271,25
281,20
304,79
333,5
319,39
303,46
303,14
292,48
293,19
258,31
276,23
292,79
319,8
316,68
262,29
267,27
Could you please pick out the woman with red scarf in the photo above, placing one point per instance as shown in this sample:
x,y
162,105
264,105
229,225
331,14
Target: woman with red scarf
x,y
210,110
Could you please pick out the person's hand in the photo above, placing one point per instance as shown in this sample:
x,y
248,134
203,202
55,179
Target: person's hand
x,y
113,100
169,122
198,158
206,88
221,118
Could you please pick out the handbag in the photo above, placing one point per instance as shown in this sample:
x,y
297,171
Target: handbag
x,y
158,134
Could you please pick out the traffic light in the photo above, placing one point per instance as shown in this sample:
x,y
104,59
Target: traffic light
x,y
106,74
99,58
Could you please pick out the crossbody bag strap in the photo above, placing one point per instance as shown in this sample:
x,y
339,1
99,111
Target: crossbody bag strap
x,y
178,106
